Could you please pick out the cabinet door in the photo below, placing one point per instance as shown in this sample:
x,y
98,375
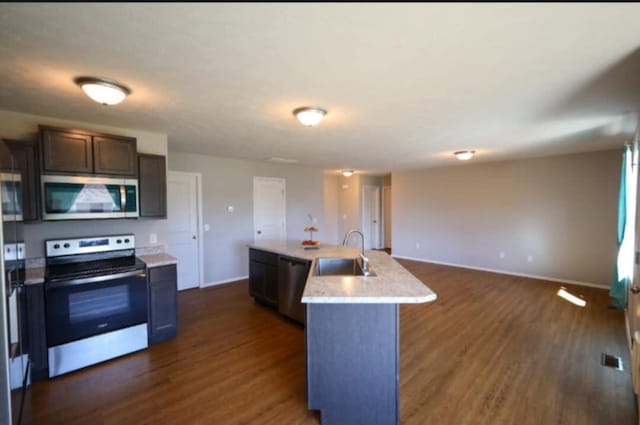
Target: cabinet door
x,y
152,185
24,154
257,274
163,303
263,282
36,332
271,284
114,156
67,152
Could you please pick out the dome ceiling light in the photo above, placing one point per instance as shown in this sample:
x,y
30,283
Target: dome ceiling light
x,y
464,155
103,90
309,116
347,173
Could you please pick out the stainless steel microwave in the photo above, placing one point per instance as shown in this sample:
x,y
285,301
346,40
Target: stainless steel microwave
x,y
78,198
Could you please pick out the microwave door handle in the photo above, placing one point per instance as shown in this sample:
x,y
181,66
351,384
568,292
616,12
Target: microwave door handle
x,y
123,199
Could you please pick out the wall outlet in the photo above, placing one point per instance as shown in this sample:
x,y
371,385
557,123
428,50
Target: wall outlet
x,y
502,254
344,216
153,238
417,245
530,259
315,220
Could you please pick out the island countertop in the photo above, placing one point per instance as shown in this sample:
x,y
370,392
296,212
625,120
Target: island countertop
x,y
393,284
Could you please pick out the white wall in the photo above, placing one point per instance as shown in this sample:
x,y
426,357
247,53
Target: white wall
x,y
230,182
561,211
350,203
331,209
20,126
349,217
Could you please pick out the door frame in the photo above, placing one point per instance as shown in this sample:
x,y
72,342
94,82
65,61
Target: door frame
x,y
362,209
284,201
383,218
199,225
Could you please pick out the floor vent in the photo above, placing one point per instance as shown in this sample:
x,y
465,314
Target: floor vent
x,y
611,361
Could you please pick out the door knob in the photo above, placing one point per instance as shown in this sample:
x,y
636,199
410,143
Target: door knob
x,y
259,232
194,237
635,289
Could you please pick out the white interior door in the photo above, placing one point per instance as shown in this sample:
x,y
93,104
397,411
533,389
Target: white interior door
x,y
386,214
182,212
371,216
269,209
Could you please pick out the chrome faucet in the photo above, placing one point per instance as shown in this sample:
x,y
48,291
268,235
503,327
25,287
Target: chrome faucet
x,y
365,260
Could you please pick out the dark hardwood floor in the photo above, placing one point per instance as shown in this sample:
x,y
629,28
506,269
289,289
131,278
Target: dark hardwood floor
x,y
493,349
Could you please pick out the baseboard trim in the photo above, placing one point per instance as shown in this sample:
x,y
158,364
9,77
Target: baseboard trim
x,y
222,282
510,273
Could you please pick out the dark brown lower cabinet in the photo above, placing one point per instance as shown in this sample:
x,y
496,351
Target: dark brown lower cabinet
x,y
353,363
163,303
263,276
36,331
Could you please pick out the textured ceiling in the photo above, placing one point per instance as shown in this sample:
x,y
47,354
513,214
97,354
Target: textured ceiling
x,y
405,85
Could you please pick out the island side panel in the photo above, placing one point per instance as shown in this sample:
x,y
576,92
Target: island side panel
x,y
352,363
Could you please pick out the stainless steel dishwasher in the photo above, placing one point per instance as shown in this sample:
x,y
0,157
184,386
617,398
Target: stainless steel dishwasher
x,y
292,276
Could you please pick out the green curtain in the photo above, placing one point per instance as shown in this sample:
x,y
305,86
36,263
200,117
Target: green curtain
x,y
618,291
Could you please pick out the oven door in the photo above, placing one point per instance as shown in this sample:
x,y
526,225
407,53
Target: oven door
x,y
81,308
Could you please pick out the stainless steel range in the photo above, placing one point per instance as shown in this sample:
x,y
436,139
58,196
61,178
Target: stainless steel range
x,y
96,301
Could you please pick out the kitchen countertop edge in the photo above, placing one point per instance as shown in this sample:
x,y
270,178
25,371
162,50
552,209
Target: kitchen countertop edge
x,y
158,260
393,284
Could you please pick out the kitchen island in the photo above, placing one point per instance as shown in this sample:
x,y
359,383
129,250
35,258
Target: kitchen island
x,y
352,334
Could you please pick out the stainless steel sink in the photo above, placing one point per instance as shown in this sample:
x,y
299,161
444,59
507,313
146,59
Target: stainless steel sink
x,y
330,266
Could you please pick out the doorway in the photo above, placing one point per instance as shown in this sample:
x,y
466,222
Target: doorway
x,y
184,212
371,216
269,209
386,217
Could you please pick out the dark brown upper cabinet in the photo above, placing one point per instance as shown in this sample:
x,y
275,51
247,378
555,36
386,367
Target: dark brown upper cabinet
x,y
24,154
114,155
67,151
64,152
152,185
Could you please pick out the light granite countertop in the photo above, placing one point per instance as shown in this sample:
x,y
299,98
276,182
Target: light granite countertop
x,y
393,284
157,260
35,267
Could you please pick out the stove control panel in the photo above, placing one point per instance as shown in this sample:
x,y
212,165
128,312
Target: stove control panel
x,y
59,247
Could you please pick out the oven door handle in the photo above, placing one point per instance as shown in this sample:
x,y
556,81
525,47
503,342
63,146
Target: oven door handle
x,y
95,279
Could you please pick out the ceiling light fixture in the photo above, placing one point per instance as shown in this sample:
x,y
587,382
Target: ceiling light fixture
x,y
347,173
309,116
103,90
464,155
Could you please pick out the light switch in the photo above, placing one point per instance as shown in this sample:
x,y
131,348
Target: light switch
x,y
207,227
153,238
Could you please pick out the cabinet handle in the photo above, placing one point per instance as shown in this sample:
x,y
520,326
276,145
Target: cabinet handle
x,y
635,289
